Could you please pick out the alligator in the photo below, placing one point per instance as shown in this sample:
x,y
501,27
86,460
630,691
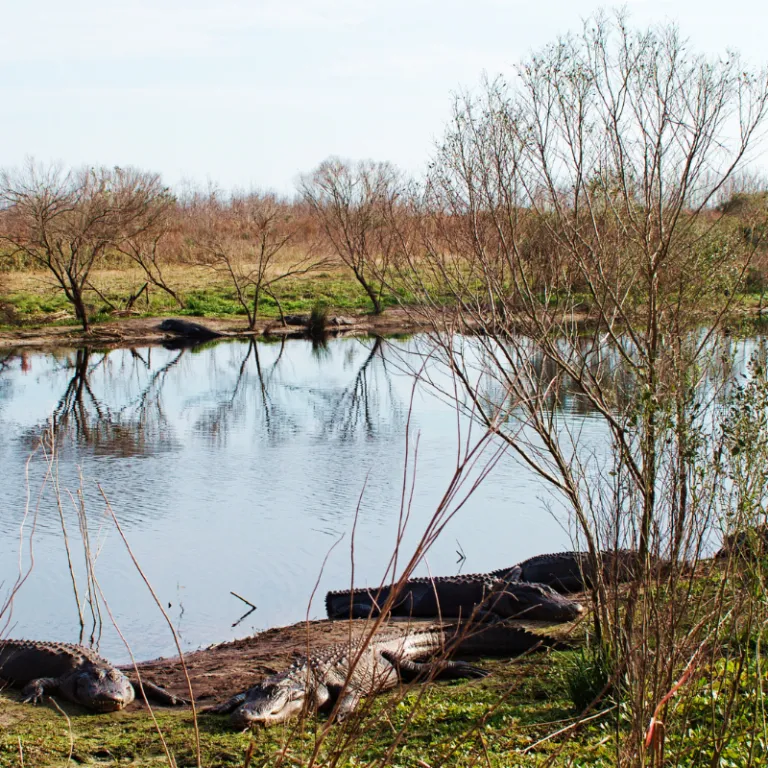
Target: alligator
x,y
337,677
189,330
77,673
572,571
456,597
748,544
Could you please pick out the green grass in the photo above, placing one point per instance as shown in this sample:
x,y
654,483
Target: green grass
x,y
29,304
212,298
514,709
441,729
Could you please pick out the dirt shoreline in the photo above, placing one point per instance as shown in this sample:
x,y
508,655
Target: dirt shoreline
x,y
145,331
224,669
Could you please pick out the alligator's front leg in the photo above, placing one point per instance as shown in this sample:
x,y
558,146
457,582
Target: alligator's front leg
x,y
348,703
152,691
340,697
34,690
411,670
488,616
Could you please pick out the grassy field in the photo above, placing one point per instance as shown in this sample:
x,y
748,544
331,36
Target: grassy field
x,y
31,299
522,715
35,300
526,700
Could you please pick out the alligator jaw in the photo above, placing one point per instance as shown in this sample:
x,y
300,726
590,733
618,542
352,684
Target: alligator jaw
x,y
269,704
250,717
108,704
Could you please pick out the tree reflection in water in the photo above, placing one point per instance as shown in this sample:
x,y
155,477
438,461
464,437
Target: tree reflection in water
x,y
85,419
358,408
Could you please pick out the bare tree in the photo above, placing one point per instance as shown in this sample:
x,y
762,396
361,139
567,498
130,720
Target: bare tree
x,y
65,222
243,239
572,222
353,202
148,250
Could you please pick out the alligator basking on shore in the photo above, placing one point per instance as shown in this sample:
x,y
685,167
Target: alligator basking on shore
x,y
456,597
749,543
188,330
339,675
573,571
77,673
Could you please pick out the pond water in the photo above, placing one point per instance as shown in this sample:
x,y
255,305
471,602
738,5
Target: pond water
x,y
239,467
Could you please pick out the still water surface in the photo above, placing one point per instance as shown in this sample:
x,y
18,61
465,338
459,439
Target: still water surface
x,y
235,468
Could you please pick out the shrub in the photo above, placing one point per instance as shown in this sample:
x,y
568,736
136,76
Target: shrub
x,y
591,676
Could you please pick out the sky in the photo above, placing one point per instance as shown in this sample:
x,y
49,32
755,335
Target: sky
x,y
251,93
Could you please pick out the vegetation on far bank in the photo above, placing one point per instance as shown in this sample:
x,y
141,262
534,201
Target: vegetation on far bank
x,y
28,299
31,301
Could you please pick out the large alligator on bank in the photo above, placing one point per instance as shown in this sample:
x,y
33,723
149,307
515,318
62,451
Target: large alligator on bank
x,y
480,594
750,543
569,572
77,673
339,675
189,330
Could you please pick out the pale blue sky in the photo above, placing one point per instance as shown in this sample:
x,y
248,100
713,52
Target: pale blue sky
x,y
253,93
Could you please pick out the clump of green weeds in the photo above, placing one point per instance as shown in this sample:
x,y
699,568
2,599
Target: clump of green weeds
x,y
592,677
317,326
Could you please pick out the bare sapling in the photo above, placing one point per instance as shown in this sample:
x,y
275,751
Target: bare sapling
x,y
247,239
352,203
151,250
571,221
66,222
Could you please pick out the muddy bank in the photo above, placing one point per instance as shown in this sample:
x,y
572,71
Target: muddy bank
x,y
144,331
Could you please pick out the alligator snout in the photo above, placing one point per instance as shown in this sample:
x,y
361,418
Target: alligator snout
x,y
108,703
244,718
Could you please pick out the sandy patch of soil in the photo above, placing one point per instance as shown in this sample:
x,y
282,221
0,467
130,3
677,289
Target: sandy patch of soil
x,y
221,670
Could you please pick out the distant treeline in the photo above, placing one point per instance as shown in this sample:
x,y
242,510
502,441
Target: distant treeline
x,y
364,216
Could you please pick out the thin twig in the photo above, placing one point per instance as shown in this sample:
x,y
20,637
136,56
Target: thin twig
x,y
69,728
567,728
240,597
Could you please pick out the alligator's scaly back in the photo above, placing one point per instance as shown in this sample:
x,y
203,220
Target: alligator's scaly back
x,y
51,659
342,673
454,597
413,595
573,571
